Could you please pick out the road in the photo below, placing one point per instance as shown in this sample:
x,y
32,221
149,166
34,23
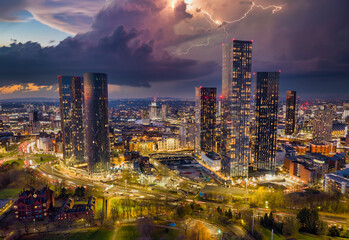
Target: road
x,y
115,189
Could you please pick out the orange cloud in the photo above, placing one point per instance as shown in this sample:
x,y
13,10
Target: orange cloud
x,y
29,87
11,89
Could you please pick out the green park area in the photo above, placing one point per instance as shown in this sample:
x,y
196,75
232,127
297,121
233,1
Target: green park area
x,y
9,154
9,193
43,158
90,234
131,233
301,236
127,233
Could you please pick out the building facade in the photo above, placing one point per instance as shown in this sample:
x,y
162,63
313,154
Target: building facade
x,y
97,149
236,106
71,109
290,120
33,204
154,111
322,124
206,121
267,100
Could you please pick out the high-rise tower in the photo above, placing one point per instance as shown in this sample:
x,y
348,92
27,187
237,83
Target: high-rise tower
x,y
290,121
206,121
236,96
71,108
267,100
323,121
97,149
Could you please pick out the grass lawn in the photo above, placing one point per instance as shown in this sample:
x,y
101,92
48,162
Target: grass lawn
x,y
267,234
127,233
43,158
9,154
9,193
20,161
300,236
90,234
161,233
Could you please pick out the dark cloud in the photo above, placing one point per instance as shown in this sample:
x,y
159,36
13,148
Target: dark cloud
x,y
126,59
8,10
307,40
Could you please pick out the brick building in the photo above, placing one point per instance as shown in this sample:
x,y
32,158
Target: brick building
x,y
34,204
312,167
70,212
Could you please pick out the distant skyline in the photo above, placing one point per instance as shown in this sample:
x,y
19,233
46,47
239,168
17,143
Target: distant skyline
x,y
165,48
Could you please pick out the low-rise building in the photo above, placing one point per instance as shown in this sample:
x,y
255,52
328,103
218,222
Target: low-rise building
x,y
337,182
212,159
34,204
328,148
71,212
312,167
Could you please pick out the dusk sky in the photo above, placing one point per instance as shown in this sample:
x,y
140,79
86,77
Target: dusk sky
x,y
165,48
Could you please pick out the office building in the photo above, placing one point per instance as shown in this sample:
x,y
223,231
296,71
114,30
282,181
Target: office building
x,y
187,135
322,123
337,182
290,121
154,111
33,116
236,104
71,107
267,99
206,119
96,119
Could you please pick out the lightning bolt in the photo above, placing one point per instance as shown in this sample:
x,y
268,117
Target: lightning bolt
x,y
220,24
195,45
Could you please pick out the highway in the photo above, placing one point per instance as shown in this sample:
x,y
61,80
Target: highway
x,y
114,187
117,189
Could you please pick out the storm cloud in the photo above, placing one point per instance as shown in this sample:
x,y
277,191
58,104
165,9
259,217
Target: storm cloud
x,y
144,42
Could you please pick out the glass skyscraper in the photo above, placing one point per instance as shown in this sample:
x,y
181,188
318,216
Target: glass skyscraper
x,y
97,149
266,109
236,96
290,121
206,118
71,108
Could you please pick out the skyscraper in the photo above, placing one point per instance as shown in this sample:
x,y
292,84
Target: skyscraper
x,y
206,121
71,108
77,121
322,125
97,150
236,93
267,100
154,111
290,121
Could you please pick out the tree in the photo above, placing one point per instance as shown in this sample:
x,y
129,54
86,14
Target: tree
x,y
321,228
268,221
309,220
229,214
219,210
80,191
63,193
115,210
333,231
290,227
199,232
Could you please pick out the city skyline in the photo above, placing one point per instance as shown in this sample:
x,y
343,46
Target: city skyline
x,y
169,64
174,119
